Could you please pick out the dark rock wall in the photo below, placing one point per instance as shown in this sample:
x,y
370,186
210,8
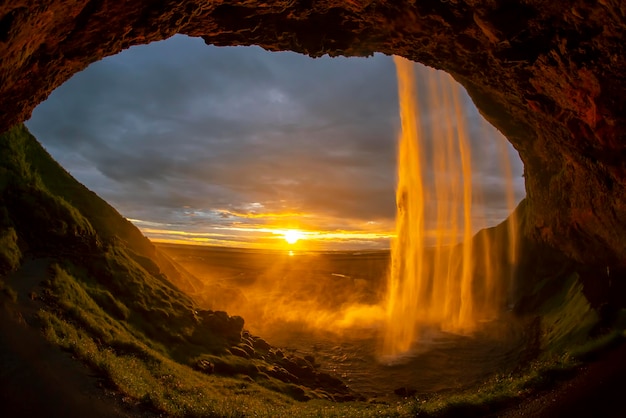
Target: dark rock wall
x,y
550,75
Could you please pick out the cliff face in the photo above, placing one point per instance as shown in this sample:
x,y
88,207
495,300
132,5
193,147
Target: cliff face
x,y
550,75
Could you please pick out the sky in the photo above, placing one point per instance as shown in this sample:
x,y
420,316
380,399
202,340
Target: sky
x,y
236,145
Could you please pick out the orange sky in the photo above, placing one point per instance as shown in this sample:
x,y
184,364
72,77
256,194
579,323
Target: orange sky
x,y
372,236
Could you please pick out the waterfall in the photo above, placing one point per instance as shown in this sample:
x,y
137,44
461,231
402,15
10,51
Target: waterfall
x,y
437,278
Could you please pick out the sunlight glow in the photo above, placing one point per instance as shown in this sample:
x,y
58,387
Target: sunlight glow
x,y
292,236
267,236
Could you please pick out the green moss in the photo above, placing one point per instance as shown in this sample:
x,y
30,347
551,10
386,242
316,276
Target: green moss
x,y
148,378
108,303
10,254
496,393
567,317
566,320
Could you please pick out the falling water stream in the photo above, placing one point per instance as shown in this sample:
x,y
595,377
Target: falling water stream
x,y
434,279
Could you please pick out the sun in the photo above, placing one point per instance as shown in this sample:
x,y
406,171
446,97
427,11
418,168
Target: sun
x,y
292,236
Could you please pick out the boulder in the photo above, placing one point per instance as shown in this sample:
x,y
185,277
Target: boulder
x,y
220,323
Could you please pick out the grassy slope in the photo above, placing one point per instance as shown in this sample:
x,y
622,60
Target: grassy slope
x,y
109,299
52,215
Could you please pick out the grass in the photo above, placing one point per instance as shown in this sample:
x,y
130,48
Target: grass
x,y
150,379
147,376
142,373
566,320
10,254
498,392
109,300
510,389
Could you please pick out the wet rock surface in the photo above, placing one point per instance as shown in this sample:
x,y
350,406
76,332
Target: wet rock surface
x,y
549,75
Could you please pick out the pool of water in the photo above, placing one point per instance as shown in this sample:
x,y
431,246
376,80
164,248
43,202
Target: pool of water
x,y
439,361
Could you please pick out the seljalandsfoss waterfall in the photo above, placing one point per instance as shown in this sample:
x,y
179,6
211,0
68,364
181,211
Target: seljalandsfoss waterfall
x,y
432,314
437,278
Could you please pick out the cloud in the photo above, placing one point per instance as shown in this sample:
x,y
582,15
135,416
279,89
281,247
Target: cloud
x,y
177,128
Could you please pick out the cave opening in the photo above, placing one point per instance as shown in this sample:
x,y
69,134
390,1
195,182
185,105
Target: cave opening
x,y
173,108
549,77
212,146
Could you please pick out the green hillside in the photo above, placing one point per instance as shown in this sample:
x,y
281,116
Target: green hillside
x,y
46,213
111,298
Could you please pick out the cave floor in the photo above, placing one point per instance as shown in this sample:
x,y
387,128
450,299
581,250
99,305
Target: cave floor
x,y
597,390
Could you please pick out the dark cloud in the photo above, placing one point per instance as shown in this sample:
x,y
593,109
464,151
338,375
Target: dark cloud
x,y
176,131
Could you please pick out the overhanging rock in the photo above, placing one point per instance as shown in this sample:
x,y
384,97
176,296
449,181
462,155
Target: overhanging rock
x,y
550,75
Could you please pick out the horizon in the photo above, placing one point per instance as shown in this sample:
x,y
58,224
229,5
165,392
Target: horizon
x,y
232,146
287,251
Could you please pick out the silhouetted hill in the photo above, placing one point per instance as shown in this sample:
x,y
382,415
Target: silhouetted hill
x,y
71,265
43,198
45,212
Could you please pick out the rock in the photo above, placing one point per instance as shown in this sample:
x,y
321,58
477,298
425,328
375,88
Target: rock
x,y
248,349
260,344
281,374
227,367
205,366
302,371
549,75
239,352
297,393
328,381
221,323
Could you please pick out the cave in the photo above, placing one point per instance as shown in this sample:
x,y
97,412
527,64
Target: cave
x,y
550,77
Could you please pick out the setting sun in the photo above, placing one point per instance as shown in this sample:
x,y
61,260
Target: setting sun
x,y
292,236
